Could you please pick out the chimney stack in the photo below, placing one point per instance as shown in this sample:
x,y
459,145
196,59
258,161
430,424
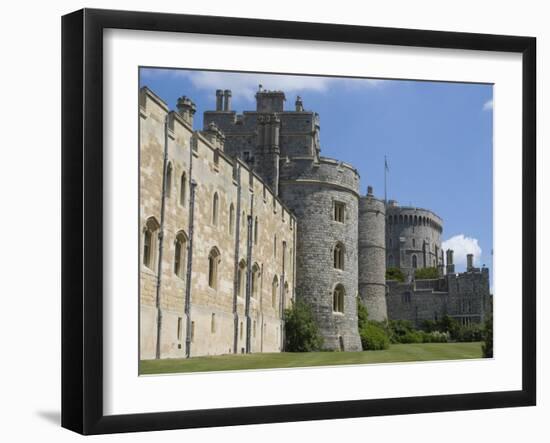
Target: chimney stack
x,y
469,262
227,102
219,99
450,264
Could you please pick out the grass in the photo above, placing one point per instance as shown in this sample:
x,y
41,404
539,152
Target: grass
x,y
396,353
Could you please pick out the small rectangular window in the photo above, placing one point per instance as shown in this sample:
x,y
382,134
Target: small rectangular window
x,y
192,330
179,328
339,212
213,324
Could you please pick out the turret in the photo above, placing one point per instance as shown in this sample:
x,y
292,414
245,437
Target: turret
x,y
187,109
270,101
372,255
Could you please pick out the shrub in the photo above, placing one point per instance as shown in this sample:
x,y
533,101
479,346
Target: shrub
x,y
373,338
301,332
362,315
395,274
435,337
396,329
426,273
487,346
469,333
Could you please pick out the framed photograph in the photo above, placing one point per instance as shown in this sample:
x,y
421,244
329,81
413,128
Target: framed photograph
x,y
226,263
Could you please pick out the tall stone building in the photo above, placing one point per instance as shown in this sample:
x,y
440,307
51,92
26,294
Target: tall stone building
x,y
245,216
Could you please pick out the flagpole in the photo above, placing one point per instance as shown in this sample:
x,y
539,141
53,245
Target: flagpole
x,y
385,181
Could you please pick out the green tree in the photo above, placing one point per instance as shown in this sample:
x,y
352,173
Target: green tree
x,y
373,337
426,273
301,332
395,274
487,346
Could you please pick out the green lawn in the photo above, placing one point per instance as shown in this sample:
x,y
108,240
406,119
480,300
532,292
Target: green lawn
x,y
396,353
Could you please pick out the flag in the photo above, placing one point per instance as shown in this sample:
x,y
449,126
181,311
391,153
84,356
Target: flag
x,y
386,164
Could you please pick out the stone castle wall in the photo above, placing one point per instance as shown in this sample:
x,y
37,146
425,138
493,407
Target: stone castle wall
x,y
242,311
464,296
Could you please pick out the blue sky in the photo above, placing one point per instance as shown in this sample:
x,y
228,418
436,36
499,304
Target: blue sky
x,y
437,137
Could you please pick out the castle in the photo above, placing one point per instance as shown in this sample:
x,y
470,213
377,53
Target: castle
x,y
244,217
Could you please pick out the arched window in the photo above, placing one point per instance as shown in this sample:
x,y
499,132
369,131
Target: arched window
x,y
391,262
183,188
215,209
179,254
243,220
168,184
231,218
338,299
255,289
400,219
414,261
391,243
274,290
213,262
414,243
339,253
241,278
256,231
150,234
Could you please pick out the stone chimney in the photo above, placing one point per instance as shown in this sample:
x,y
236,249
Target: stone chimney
x,y
219,99
450,264
369,191
186,109
299,104
469,262
227,101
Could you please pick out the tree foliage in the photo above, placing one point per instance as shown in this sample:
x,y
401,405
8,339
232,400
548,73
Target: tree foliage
x,y
395,274
487,346
301,332
426,273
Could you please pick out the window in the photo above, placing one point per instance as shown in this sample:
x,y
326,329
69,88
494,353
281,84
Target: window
x,y
213,324
414,243
192,330
391,243
241,331
168,184
179,254
231,218
286,295
339,212
241,278
150,242
275,246
414,262
179,328
255,280
254,329
256,231
339,256
215,204
338,299
274,290
183,188
213,261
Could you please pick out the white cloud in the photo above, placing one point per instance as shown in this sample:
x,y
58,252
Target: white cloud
x,y
462,245
488,105
244,85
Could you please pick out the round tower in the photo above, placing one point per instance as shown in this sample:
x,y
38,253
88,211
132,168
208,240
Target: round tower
x,y
323,194
413,238
372,256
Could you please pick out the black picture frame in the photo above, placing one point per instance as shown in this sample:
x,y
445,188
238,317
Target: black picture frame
x,y
82,218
